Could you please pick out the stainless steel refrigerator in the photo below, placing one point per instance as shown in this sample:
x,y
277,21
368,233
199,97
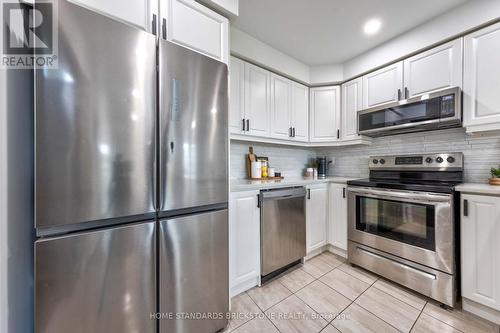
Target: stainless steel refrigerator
x,y
116,244
193,235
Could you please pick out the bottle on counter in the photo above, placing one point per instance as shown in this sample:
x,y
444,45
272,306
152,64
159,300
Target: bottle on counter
x,y
264,169
256,169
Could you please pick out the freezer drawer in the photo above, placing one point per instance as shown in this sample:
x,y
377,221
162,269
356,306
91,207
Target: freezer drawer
x,y
95,122
100,282
193,129
194,272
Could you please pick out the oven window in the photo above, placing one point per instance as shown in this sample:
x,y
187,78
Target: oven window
x,y
407,222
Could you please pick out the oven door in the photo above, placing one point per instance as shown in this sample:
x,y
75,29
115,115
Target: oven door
x,y
417,226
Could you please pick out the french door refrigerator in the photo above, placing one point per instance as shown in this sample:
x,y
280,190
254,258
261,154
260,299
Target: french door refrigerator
x,y
95,258
193,232
117,244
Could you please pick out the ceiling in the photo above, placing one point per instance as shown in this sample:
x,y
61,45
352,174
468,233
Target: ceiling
x,y
321,32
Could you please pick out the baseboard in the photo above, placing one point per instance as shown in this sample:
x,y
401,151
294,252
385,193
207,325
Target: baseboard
x,y
481,310
244,286
338,251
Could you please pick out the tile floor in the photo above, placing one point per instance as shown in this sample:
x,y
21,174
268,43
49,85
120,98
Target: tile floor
x,y
329,296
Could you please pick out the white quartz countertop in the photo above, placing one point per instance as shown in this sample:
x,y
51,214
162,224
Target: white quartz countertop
x,y
238,185
478,188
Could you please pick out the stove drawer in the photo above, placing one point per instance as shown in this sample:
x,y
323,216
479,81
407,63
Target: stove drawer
x,y
424,280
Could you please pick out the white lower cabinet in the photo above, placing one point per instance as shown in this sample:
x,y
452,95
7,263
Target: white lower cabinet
x,y
337,216
244,241
480,252
316,216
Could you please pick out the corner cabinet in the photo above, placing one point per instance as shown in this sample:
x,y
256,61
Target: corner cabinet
x,y
325,114
481,104
244,241
352,102
316,216
194,26
337,216
480,252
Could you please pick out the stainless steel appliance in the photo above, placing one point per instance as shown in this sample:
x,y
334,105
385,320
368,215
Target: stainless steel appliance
x,y
282,229
94,172
436,110
194,262
108,227
403,224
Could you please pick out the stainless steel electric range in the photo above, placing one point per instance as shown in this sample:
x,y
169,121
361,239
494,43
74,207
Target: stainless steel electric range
x,y
403,223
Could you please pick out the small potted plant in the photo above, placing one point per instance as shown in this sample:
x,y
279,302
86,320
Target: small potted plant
x,y
495,176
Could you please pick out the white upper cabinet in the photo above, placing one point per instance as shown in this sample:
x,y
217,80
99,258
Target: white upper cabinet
x,y
325,114
196,27
300,112
438,68
137,12
352,102
481,106
337,216
236,96
316,216
383,86
226,7
480,249
281,106
257,100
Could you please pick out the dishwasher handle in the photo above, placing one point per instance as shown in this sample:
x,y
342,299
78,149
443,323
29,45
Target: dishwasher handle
x,y
285,193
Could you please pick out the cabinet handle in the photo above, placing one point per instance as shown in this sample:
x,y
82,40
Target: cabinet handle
x,y
164,28
399,94
291,132
338,134
466,207
243,124
407,93
308,194
294,132
153,25
248,125
343,192
258,200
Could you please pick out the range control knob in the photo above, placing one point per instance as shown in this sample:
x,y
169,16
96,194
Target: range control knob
x,y
382,161
439,159
428,160
375,161
450,159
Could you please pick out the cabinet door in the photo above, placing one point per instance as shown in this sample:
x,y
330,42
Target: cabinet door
x,y
480,249
244,241
300,112
281,107
196,27
435,69
137,12
337,216
352,99
383,86
482,78
257,100
325,114
316,216
236,96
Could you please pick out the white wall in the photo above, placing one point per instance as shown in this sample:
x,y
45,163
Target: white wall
x,y
327,74
463,18
247,47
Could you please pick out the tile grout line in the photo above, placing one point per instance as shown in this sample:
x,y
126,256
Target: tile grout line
x,y
418,317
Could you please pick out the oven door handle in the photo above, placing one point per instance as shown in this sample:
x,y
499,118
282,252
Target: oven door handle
x,y
407,196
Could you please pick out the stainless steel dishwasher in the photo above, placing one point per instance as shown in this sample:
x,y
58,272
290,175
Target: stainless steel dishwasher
x,y
283,229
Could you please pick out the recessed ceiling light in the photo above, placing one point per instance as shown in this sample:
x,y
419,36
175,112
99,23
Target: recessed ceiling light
x,y
372,26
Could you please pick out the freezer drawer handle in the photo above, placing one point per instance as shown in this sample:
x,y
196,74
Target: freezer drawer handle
x,y
409,268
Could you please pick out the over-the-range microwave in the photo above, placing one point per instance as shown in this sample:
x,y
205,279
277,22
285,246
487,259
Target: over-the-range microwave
x,y
436,110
